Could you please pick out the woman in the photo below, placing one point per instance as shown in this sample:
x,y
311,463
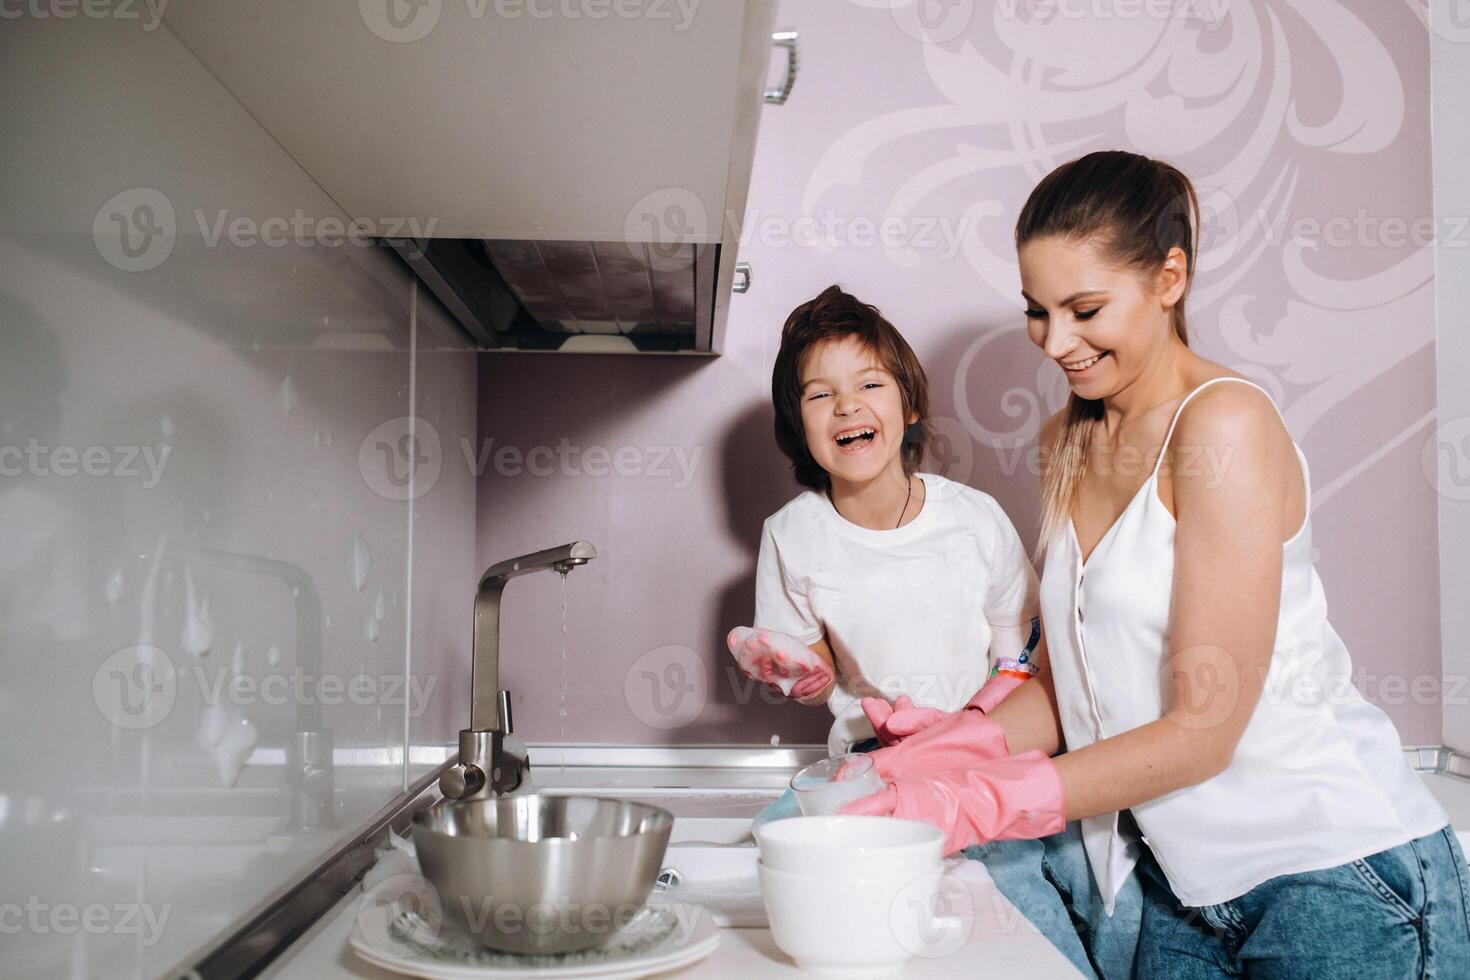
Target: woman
x,y
897,581
1215,751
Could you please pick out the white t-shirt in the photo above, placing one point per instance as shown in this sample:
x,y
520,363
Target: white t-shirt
x,y
906,611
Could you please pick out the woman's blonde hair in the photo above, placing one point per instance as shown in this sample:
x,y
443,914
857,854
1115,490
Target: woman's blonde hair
x,y
1134,209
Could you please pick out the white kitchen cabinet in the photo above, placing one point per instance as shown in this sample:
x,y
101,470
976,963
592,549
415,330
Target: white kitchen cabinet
x,y
582,165
560,120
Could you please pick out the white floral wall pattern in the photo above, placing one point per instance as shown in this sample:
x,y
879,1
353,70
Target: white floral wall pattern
x,y
1210,87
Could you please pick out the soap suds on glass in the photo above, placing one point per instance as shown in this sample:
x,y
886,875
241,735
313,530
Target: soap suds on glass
x,y
147,608
198,634
362,561
113,590
373,628
224,731
286,396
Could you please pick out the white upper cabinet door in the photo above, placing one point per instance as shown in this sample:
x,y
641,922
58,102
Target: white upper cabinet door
x,y
569,120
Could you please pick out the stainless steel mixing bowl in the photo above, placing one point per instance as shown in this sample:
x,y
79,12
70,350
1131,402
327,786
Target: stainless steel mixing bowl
x,y
542,874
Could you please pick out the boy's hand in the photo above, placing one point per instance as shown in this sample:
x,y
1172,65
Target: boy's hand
x,y
895,722
780,660
958,740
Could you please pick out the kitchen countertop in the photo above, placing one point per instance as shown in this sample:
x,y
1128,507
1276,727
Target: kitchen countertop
x,y
1001,943
997,940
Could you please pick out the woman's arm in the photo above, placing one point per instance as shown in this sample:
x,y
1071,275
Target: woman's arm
x,y
1229,464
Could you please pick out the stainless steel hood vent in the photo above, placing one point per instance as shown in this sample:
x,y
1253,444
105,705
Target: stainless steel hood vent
x,y
604,297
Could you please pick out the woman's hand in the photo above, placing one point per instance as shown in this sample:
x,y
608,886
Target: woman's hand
x,y
780,660
1016,797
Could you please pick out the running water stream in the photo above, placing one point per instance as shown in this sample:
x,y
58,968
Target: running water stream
x,y
563,708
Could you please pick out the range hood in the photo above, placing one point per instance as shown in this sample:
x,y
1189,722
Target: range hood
x,y
591,297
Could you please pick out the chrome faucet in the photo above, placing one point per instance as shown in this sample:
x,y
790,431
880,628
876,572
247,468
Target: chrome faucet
x,y
490,763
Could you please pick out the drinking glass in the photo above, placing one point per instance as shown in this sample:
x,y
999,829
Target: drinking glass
x,y
827,786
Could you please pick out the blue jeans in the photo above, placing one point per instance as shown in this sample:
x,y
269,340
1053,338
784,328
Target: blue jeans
x,y
1403,912
1050,882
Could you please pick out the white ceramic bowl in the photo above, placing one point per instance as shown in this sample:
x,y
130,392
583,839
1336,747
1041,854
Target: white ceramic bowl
x,y
868,927
850,846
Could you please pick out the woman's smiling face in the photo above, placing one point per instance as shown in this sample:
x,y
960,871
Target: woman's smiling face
x,y
851,411
1100,322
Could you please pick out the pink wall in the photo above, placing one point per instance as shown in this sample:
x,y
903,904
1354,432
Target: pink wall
x,y
1313,110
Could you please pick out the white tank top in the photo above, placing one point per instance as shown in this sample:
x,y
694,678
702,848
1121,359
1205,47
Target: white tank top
x,y
1317,779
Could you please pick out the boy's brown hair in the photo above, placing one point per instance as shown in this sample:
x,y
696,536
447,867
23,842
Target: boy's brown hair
x,y
836,315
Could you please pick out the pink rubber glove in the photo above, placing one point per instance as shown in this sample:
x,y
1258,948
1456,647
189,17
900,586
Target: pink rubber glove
x,y
994,691
1013,798
779,659
1013,664
959,740
897,721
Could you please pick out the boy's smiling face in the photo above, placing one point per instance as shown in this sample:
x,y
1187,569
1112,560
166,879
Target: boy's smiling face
x,y
851,412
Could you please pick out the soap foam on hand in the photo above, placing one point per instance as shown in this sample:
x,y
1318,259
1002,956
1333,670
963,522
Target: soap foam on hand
x,y
771,657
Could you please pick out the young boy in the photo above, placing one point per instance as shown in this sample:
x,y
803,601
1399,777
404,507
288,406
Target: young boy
x,y
878,581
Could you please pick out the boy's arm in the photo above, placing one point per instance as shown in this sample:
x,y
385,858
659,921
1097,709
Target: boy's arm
x,y
824,650
1028,715
1011,651
1012,609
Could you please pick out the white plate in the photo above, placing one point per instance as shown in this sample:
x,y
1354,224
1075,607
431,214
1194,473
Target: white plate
x,y
660,938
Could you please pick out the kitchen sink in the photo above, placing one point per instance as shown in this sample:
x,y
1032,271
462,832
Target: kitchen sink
x,y
711,861
714,831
